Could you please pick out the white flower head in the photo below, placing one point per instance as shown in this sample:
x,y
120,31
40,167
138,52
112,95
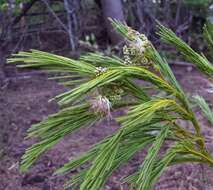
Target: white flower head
x,y
102,105
141,42
125,50
100,70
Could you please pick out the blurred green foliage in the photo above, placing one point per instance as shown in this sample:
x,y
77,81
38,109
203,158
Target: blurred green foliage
x,y
4,5
198,2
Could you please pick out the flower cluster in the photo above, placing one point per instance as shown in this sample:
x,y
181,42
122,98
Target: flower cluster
x,y
113,92
101,105
134,52
100,70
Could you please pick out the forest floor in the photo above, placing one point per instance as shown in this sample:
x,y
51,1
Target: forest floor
x,y
24,101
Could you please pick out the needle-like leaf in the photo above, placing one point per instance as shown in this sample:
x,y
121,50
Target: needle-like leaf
x,y
200,101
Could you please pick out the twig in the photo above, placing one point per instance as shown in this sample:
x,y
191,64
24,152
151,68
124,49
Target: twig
x,y
178,13
54,15
19,41
70,11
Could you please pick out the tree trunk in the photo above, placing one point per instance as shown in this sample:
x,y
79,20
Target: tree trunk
x,y
112,9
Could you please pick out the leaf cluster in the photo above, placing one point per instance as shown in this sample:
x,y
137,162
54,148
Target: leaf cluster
x,y
151,121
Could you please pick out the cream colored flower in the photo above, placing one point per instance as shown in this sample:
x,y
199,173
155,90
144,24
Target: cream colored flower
x,y
140,43
102,105
100,70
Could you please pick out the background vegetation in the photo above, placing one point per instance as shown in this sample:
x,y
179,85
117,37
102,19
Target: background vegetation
x,y
39,21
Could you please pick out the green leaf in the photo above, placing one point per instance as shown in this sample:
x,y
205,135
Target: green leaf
x,y
145,112
144,179
200,61
121,28
208,35
131,142
129,137
98,59
47,61
95,175
159,166
101,80
54,128
164,68
113,74
200,101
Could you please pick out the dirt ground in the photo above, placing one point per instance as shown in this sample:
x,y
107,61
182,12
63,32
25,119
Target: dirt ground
x,y
24,101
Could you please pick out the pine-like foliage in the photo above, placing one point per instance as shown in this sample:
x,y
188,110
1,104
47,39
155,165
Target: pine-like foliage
x,y
100,85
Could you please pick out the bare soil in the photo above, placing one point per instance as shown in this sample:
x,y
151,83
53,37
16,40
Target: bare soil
x,y
24,101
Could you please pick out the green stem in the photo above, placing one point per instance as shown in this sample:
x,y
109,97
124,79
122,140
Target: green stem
x,y
203,156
